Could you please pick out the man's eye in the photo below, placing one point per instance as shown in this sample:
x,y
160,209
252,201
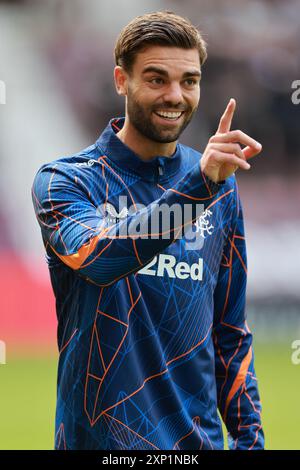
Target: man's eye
x,y
157,81
190,81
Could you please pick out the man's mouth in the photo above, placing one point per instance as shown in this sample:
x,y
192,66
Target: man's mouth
x,y
169,115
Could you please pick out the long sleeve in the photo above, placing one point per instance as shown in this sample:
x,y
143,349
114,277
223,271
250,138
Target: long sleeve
x,y
238,397
77,232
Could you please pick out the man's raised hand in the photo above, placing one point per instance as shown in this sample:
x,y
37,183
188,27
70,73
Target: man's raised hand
x,y
223,154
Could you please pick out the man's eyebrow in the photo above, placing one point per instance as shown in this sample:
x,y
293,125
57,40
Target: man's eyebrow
x,y
158,70
192,73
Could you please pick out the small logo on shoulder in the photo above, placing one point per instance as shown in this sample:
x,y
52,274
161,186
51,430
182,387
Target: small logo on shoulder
x,y
87,164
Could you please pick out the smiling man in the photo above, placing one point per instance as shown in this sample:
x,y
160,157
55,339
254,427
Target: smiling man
x,y
150,118
152,328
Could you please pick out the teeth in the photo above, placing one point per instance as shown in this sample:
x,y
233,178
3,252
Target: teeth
x,y
169,115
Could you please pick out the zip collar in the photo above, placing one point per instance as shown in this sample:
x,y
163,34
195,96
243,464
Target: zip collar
x,y
160,167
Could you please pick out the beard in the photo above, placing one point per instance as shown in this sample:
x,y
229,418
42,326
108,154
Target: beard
x,y
141,118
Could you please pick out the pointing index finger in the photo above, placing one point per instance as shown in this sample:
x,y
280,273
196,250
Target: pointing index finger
x,y
226,119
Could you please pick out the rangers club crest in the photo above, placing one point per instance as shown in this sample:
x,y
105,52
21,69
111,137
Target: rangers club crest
x,y
203,224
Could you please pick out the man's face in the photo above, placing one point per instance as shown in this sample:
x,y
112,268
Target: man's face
x,y
163,91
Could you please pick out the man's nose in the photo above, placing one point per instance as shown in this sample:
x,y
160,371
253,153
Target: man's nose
x,y
173,94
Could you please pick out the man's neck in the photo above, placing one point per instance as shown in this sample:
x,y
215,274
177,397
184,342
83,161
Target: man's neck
x,y
145,148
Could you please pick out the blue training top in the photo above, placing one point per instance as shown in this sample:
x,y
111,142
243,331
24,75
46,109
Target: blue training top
x,y
151,330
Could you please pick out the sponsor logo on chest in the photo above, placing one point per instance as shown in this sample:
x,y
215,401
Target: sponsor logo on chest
x,y
164,264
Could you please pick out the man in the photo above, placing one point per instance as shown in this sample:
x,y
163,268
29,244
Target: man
x,y
151,322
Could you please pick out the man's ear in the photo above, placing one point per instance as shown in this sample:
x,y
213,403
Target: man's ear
x,y
121,78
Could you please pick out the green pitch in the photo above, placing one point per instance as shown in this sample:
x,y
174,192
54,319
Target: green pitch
x,y
28,392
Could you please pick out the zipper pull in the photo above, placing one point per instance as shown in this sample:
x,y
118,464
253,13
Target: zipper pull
x,y
160,170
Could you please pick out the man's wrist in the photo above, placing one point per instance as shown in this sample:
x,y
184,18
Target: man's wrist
x,y
212,185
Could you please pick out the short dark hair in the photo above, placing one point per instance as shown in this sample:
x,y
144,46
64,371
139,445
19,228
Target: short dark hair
x,y
162,28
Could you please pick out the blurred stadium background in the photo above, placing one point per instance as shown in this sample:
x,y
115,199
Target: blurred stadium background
x,y
56,60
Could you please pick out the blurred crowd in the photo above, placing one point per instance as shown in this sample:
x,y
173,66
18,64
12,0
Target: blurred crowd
x,y
253,51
